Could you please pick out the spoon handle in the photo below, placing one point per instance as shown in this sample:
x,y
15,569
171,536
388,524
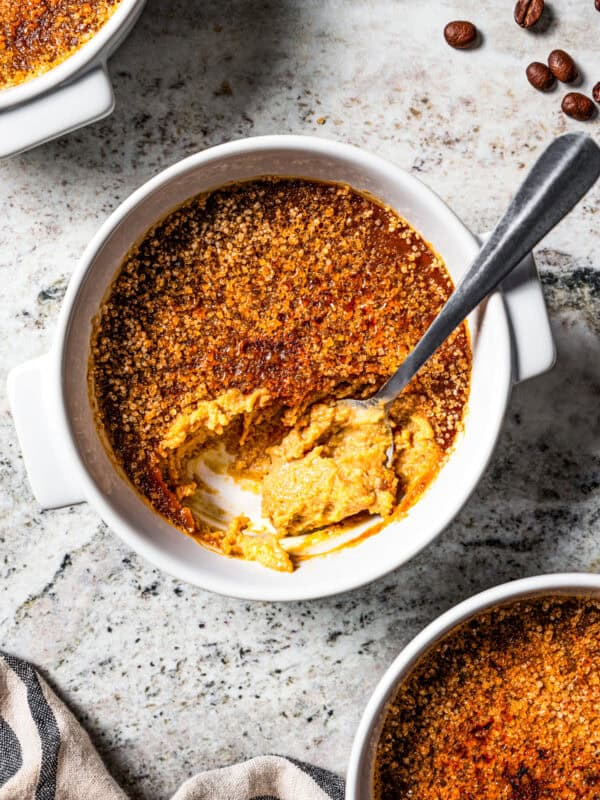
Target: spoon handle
x,y
559,178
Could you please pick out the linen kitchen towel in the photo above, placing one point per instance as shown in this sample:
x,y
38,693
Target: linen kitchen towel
x,y
46,755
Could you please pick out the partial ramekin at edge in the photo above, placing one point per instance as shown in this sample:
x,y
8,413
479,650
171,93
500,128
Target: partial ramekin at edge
x,y
76,92
65,458
359,781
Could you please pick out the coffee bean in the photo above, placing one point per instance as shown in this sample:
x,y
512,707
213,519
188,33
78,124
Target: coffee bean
x,y
596,92
578,106
460,34
539,76
562,66
597,5
528,12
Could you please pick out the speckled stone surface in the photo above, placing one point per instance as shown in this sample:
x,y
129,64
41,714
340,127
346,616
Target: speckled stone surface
x,y
168,679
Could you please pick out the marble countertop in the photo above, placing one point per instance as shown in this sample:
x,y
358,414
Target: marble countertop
x,y
169,679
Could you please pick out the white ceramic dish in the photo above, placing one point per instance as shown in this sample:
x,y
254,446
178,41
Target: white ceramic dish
x,y
359,780
75,93
67,463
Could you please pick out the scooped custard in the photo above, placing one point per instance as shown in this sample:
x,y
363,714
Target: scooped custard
x,y
230,333
37,35
330,466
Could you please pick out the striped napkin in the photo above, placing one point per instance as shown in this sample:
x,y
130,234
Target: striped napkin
x,y
46,755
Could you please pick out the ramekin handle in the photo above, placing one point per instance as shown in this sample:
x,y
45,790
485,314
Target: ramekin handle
x,y
533,342
532,339
53,483
66,108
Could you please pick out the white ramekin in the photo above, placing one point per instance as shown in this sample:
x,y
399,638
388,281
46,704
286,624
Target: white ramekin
x,y
67,463
359,781
75,93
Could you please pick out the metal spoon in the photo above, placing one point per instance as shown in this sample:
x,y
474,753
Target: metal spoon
x,y
558,180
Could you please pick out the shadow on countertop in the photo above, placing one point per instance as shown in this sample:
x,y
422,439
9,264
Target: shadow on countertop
x,y
190,75
538,505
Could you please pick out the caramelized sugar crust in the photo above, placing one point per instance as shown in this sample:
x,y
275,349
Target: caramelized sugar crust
x,y
505,708
36,35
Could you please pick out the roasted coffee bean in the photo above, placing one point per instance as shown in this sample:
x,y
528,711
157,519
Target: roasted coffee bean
x,y
578,106
596,92
460,34
539,76
562,66
528,12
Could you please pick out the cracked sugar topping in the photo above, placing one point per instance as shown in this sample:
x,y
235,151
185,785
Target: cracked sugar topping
x,y
504,708
36,35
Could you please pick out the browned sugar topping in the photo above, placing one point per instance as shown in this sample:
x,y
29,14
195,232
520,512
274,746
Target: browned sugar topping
x,y
505,708
36,35
306,289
